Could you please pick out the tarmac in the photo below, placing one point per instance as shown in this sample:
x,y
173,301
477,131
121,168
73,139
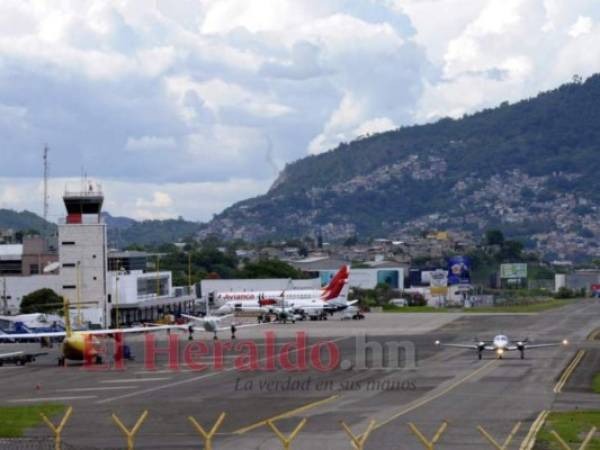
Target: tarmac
x,y
387,370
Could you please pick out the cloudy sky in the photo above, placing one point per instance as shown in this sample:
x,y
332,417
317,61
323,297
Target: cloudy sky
x,y
184,107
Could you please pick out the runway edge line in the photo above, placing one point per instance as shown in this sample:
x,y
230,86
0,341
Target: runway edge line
x,y
568,371
536,426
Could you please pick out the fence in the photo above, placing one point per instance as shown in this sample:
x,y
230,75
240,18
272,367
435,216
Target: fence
x,y
356,440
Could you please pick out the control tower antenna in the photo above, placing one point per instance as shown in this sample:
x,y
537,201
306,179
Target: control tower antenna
x,y
46,174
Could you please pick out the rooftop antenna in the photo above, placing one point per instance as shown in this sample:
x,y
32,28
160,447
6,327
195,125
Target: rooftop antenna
x,y
46,175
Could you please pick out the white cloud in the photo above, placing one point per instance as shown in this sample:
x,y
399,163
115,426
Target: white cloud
x,y
581,27
196,201
201,100
150,143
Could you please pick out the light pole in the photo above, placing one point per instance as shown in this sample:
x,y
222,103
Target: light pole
x,y
158,275
120,271
190,272
4,297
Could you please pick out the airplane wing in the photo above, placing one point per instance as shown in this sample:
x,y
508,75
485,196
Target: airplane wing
x,y
202,319
130,330
10,355
550,344
471,346
18,336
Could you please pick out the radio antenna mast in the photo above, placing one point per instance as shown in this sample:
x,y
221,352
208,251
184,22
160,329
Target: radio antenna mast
x,y
46,174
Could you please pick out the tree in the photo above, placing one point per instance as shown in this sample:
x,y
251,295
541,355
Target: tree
x,y
511,250
41,301
494,237
270,268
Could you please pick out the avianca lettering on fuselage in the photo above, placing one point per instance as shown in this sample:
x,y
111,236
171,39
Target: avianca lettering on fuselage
x,y
227,301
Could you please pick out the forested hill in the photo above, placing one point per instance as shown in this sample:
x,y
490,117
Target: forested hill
x,y
122,231
24,221
524,165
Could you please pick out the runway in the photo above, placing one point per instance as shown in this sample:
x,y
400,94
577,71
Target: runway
x,y
425,385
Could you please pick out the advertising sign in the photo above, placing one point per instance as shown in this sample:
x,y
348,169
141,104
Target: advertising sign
x,y
438,282
515,270
459,270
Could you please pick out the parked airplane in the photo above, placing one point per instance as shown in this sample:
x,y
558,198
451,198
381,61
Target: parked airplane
x,y
291,304
501,344
79,345
30,323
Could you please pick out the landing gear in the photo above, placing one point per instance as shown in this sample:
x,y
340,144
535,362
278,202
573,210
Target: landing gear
x,y
522,354
480,355
98,360
61,361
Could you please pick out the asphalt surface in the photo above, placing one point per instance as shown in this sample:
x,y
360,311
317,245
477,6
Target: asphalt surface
x,y
420,383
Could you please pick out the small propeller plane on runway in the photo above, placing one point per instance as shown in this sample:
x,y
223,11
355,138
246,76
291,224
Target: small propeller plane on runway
x,y
501,344
212,324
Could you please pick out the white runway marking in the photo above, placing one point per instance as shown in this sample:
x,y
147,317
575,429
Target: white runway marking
x,y
135,380
99,388
154,372
189,380
52,399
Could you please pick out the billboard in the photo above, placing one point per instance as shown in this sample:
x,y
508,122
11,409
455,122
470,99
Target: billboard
x,y
515,270
439,282
459,270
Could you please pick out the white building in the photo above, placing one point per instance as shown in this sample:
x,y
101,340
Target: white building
x,y
15,288
83,259
378,272
263,284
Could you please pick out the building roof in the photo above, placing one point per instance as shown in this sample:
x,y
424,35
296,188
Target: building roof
x,y
129,254
386,264
314,264
11,251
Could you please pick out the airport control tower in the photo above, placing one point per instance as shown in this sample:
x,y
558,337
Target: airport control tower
x,y
83,254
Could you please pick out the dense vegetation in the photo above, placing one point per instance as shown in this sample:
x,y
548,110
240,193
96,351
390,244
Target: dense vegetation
x,y
24,221
122,231
198,261
150,232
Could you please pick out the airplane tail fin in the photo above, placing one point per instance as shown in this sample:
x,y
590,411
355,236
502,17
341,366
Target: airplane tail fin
x,y
335,286
339,292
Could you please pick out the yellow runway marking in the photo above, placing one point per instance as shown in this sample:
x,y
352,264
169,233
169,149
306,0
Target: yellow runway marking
x,y
435,396
289,413
593,335
568,371
537,424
